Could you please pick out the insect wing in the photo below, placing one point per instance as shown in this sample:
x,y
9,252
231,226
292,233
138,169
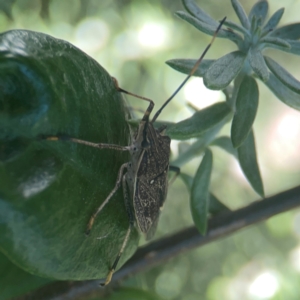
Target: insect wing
x,y
151,184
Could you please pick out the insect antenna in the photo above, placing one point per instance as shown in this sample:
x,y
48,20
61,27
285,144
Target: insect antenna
x,y
190,74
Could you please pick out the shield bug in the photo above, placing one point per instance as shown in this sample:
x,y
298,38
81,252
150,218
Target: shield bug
x,y
145,182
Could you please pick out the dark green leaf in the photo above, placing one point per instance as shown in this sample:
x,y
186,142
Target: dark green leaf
x,y
277,43
273,21
200,192
260,10
291,32
197,12
216,206
283,93
48,190
225,143
14,281
200,122
224,70
258,64
283,75
249,165
209,29
240,13
186,65
246,107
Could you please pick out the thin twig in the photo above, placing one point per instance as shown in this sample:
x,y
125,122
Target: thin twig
x,y
166,248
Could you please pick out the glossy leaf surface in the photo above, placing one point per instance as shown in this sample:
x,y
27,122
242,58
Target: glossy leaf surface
x,y
48,190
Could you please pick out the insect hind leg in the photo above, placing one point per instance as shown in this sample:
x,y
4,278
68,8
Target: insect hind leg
x,y
126,238
99,209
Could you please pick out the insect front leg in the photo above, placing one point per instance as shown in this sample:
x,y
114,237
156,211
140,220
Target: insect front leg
x,y
126,238
56,138
117,186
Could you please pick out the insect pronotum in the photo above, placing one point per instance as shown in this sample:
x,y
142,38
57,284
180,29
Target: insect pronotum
x,y
145,183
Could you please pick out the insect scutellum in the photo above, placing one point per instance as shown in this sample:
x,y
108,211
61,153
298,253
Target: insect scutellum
x,y
145,183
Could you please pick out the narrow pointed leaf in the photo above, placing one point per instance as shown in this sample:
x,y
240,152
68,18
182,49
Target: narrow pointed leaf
x,y
258,64
48,190
294,46
186,65
260,10
283,93
225,143
200,122
200,192
197,148
209,29
187,179
248,162
239,10
276,43
283,75
246,107
216,206
273,21
224,70
237,27
291,32
197,12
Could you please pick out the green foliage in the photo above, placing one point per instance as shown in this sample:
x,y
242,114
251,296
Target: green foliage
x,y
48,190
236,73
200,192
14,281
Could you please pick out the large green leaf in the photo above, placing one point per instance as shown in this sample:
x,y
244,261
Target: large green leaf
x,y
48,190
14,281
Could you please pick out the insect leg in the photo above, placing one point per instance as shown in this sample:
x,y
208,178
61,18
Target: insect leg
x,y
125,241
78,141
177,172
151,104
117,186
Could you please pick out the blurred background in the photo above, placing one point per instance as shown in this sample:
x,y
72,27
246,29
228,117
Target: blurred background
x,y
132,39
